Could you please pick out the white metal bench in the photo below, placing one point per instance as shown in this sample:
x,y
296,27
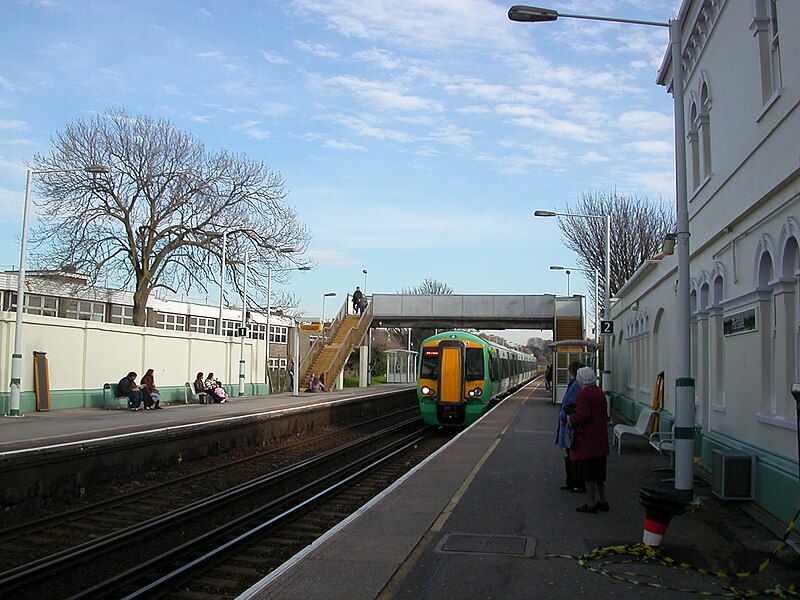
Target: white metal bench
x,y
640,428
663,441
189,393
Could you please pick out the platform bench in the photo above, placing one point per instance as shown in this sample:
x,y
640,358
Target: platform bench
x,y
111,401
641,428
189,394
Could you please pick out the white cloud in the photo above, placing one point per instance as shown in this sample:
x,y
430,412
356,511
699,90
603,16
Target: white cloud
x,y
593,156
171,89
383,94
364,127
273,57
380,58
452,134
339,145
252,130
320,50
535,118
656,147
12,124
211,54
645,120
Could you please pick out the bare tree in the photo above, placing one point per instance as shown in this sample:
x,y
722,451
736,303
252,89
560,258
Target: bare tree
x,y
638,228
429,286
157,219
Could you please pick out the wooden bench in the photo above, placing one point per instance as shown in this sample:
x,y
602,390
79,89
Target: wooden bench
x,y
189,393
640,428
111,401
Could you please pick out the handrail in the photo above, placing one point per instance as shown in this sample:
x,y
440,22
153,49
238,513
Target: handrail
x,y
316,348
346,346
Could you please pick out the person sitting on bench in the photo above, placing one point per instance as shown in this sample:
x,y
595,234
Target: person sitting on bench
x,y
127,387
215,389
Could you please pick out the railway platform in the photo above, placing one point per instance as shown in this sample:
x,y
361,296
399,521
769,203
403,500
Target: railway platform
x,y
41,430
66,452
485,518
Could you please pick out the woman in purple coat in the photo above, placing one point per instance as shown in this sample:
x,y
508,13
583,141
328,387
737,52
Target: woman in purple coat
x,y
589,451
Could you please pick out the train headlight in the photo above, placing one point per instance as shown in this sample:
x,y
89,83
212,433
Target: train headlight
x,y
426,391
475,393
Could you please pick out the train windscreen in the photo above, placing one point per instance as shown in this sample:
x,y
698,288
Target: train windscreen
x,y
429,367
473,369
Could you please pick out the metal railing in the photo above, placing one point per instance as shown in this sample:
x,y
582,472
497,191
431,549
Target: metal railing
x,y
353,337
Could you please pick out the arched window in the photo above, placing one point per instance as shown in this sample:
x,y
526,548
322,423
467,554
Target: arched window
x,y
765,29
694,145
704,128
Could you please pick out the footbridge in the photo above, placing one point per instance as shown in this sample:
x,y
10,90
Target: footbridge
x,y
472,311
327,356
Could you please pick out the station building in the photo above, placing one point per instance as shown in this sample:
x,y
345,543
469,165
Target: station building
x,y
741,60
88,336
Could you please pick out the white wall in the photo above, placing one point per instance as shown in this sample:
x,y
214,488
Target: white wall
x,y
86,354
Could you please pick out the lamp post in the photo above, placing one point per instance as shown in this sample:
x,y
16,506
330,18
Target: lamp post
x,y
328,295
365,281
568,272
16,357
684,384
267,378
222,277
243,329
596,294
607,290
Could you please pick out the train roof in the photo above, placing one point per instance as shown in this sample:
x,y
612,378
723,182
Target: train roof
x,y
455,334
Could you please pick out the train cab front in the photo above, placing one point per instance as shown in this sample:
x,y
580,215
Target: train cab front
x,y
441,383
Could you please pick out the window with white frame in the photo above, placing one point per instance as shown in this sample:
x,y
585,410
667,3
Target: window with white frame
x,y
277,363
85,310
258,331
171,322
278,334
765,28
229,327
122,315
202,324
35,304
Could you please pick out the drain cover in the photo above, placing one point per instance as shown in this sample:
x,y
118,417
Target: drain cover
x,y
487,544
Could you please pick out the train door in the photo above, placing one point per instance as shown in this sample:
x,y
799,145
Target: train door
x,y
450,407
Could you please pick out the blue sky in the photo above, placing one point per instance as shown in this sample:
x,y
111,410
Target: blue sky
x,y
415,137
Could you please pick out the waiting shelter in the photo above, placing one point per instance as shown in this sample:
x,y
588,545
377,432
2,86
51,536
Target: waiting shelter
x,y
564,352
401,366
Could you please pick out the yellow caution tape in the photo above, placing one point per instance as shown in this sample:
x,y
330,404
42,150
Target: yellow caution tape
x,y
645,554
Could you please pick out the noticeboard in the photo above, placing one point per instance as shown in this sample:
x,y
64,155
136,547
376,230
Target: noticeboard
x,y
41,381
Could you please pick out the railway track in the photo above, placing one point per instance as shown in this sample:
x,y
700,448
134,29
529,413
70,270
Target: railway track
x,y
133,555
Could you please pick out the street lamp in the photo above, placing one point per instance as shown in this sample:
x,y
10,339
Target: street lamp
x,y
596,293
222,277
269,311
684,384
16,357
365,280
607,290
328,295
243,328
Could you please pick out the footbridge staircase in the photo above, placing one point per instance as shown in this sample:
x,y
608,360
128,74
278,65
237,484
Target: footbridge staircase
x,y
329,353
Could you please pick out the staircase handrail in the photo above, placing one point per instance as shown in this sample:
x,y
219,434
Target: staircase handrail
x,y
308,360
346,346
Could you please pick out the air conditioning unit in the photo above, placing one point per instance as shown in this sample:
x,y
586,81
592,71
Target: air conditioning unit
x,y
734,475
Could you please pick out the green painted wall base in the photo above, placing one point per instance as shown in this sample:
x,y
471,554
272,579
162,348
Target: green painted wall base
x,y
777,481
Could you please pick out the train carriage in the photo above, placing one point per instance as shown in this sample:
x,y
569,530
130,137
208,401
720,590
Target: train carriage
x,y
460,374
